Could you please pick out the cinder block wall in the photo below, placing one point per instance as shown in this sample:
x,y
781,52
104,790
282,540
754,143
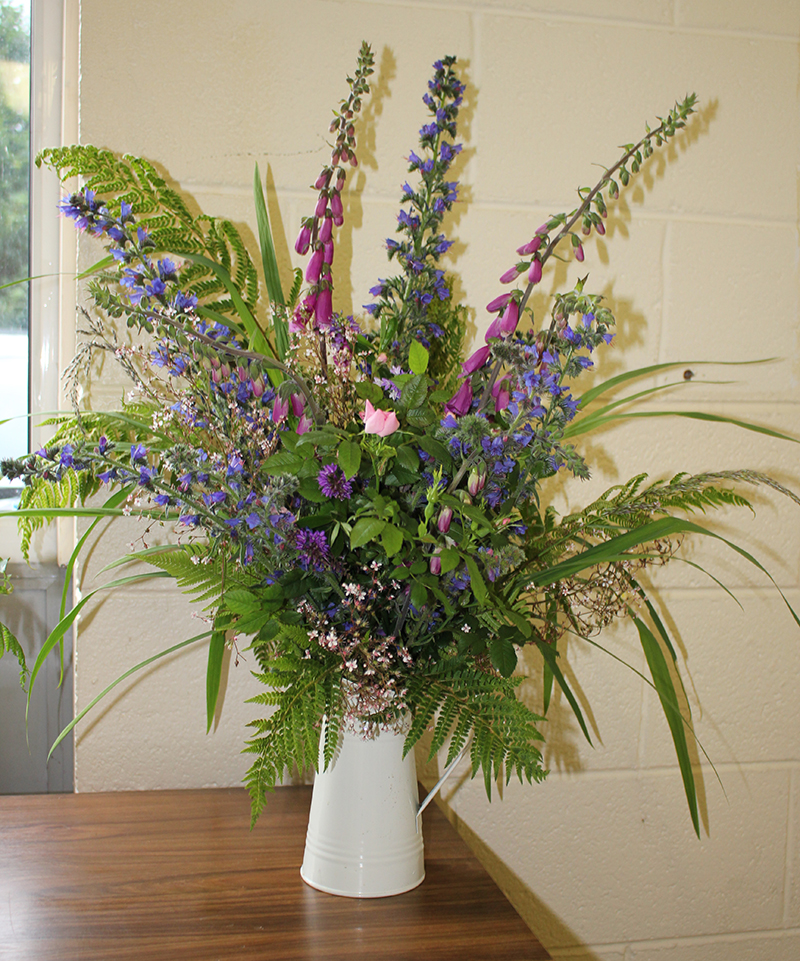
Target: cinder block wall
x,y
699,262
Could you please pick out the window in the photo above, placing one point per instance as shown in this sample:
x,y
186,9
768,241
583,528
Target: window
x,y
15,103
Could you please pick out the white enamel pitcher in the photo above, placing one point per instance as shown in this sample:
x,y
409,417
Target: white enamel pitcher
x,y
364,835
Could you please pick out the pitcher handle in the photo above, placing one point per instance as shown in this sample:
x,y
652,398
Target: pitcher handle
x,y
447,771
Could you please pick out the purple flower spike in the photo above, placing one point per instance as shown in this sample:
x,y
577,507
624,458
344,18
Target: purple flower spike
x,y
333,483
475,361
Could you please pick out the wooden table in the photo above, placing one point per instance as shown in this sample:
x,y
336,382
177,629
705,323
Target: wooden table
x,y
178,876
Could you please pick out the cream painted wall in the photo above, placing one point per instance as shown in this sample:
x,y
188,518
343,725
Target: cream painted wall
x,y
699,262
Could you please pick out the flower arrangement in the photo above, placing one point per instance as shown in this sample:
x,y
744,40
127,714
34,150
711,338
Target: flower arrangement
x,y
365,505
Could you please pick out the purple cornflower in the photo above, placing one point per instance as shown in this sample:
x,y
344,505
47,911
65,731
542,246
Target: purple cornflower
x,y
333,483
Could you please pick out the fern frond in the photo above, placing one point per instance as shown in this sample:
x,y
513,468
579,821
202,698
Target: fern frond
x,y
303,691
73,488
10,645
466,700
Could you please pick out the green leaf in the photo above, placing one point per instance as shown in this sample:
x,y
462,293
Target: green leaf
x,y
669,702
419,595
349,458
240,601
502,655
408,458
392,539
365,530
477,582
415,392
420,417
216,653
450,559
436,449
418,357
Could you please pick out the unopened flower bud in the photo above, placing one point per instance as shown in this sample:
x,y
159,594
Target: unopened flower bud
x,y
303,240
499,303
530,248
322,181
600,227
445,519
322,205
510,275
436,565
314,266
535,273
579,253
326,229
476,481
336,204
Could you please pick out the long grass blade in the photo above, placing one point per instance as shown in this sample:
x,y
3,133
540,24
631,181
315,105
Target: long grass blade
x,y
669,702
78,717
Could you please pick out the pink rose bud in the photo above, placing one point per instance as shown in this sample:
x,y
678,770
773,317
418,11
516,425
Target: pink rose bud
x,y
380,422
303,240
314,266
298,403
579,253
326,230
322,205
445,519
436,565
510,319
535,273
499,303
530,248
475,361
510,275
336,205
460,403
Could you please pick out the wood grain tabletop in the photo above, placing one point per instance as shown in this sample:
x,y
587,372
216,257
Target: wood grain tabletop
x,y
179,876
